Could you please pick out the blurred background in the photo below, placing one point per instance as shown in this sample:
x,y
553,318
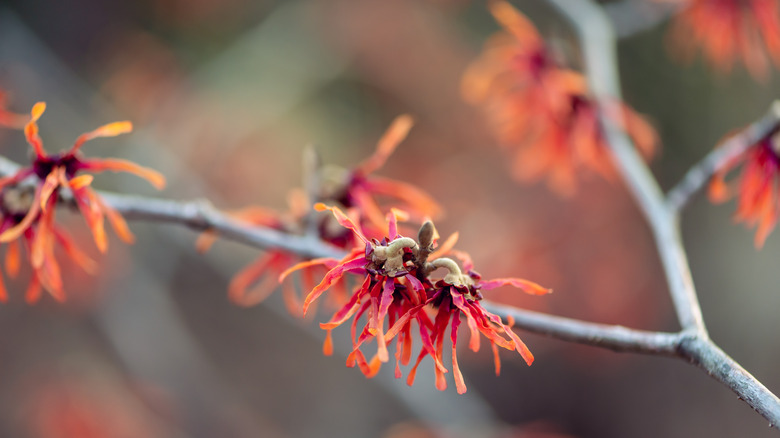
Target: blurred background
x,y
225,95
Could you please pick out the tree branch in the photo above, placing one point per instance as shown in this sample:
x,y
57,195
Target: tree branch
x,y
598,46
698,175
612,337
599,52
630,17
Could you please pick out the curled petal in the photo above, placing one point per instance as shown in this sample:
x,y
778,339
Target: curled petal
x,y
80,181
31,129
109,130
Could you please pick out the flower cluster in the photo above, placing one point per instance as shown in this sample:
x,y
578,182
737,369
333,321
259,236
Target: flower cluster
x,y
543,110
397,285
27,210
729,30
756,186
356,190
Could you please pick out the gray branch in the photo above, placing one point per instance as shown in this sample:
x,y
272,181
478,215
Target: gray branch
x,y
698,175
598,41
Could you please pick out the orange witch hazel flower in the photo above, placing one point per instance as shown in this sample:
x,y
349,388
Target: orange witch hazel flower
x,y
730,30
542,110
397,286
756,187
28,213
358,190
9,119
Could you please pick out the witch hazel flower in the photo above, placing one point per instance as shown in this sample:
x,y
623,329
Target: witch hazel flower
x,y
28,210
357,190
542,110
397,286
729,31
756,188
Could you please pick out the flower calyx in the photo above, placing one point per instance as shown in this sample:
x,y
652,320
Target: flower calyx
x,y
392,258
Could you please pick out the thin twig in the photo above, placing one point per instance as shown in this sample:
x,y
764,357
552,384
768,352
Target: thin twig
x,y
698,175
613,337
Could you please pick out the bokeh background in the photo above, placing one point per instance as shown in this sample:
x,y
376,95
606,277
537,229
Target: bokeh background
x,y
225,95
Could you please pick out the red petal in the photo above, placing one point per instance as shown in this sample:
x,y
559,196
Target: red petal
x,y
526,286
459,383
331,277
327,346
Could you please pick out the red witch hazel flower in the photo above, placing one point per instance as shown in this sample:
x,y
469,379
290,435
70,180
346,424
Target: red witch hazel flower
x,y
542,110
397,286
727,30
28,211
756,187
357,190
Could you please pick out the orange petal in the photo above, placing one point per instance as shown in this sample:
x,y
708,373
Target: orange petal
x,y
718,190
513,21
82,259
50,184
205,241
12,259
119,165
394,135
93,215
445,247
16,231
117,222
3,291
342,219
109,130
33,293
237,289
80,181
31,129
327,346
